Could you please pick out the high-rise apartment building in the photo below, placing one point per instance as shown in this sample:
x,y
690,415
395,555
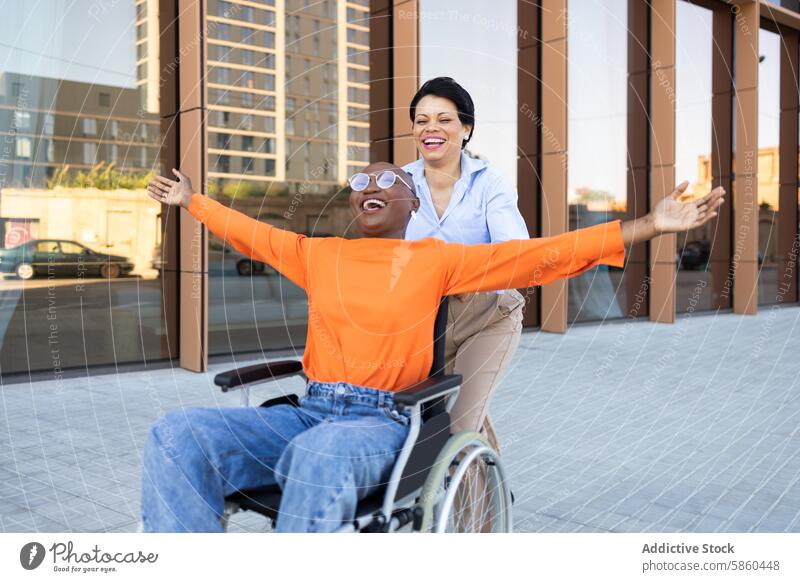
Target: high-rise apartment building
x,y
50,123
148,74
288,92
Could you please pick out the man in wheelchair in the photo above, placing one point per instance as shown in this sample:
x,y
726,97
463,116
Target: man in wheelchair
x,y
356,443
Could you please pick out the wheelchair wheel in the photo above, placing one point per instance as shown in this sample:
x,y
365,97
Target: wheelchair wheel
x,y
466,490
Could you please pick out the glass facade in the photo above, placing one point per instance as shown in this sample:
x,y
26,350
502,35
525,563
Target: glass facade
x,y
597,87
477,46
288,86
769,73
694,126
79,239
83,278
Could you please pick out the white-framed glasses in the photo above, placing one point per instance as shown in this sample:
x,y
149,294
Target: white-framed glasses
x,y
384,179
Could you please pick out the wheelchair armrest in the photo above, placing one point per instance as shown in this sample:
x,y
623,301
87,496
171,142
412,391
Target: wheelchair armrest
x,y
427,389
257,373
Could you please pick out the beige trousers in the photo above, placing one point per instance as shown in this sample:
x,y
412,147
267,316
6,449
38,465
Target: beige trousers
x,y
483,333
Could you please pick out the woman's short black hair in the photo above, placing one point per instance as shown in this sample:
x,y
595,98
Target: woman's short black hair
x,y
446,87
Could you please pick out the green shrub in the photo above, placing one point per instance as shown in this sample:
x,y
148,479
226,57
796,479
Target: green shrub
x,y
103,176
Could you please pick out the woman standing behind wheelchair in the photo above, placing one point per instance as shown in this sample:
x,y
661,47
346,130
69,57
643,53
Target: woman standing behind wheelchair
x,y
465,200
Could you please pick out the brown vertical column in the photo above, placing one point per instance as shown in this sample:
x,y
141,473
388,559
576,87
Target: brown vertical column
x,y
553,216
405,75
381,117
394,78
529,133
721,153
662,154
184,125
745,184
168,106
788,151
637,283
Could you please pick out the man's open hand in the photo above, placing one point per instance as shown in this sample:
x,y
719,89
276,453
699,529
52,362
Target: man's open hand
x,y
172,192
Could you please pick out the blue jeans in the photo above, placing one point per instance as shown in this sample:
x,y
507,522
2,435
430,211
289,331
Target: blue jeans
x,y
338,447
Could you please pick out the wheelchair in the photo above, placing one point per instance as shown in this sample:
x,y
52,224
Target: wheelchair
x,y
421,494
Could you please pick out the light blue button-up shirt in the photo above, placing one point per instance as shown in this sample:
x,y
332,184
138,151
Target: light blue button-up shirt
x,y
482,209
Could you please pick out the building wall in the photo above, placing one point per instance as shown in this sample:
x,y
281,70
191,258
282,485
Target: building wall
x,y
85,215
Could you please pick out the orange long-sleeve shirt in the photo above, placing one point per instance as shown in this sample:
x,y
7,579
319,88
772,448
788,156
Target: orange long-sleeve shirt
x,y
372,302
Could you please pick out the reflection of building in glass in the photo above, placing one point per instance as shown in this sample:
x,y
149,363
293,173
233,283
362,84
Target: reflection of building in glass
x,y
768,176
597,200
49,123
118,221
288,92
77,148
53,124
147,54
768,197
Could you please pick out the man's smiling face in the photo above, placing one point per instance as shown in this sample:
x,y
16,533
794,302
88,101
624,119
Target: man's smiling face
x,y
384,212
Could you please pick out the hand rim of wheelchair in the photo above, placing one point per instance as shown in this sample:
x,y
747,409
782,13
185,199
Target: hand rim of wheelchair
x,y
437,504
499,508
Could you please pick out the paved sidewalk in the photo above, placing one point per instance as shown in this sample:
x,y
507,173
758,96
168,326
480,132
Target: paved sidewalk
x,y
626,427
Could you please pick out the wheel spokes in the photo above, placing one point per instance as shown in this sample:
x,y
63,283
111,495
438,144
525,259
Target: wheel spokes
x,y
478,502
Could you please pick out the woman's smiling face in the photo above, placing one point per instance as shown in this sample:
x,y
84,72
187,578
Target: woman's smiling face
x,y
438,132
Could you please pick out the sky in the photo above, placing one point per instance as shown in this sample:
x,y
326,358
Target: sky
x,y
92,41
597,96
693,53
769,71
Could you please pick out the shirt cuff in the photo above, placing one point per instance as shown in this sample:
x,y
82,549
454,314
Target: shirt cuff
x,y
608,237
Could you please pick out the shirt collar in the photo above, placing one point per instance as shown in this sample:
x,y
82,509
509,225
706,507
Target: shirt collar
x,y
470,165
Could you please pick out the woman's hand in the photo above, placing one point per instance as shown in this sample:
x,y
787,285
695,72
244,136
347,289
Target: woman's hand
x,y
669,215
171,192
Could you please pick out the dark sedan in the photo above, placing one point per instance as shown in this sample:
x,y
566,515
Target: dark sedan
x,y
64,258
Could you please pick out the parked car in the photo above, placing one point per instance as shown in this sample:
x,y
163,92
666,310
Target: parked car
x,y
695,255
223,259
246,266
64,258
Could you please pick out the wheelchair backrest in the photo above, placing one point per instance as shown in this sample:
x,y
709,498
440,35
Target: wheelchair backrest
x,y
435,428
439,330
431,409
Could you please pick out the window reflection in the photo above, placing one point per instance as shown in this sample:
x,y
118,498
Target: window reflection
x,y
597,120
79,238
693,157
478,48
287,126
768,165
